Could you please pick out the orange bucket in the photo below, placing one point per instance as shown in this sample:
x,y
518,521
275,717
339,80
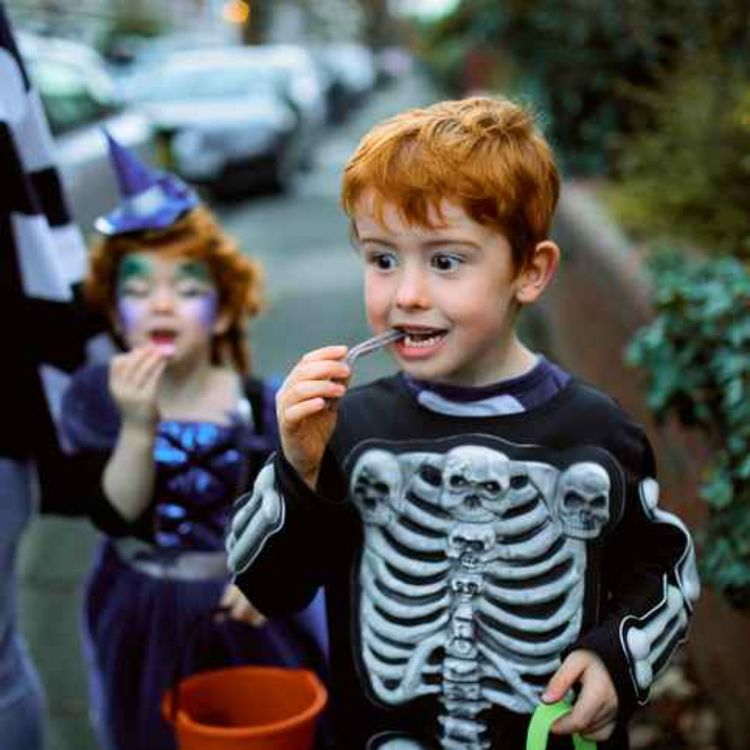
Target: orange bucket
x,y
246,708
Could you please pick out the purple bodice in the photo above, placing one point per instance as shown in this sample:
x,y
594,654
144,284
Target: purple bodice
x,y
199,469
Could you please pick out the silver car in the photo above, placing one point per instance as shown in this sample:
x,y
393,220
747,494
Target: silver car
x,y
222,119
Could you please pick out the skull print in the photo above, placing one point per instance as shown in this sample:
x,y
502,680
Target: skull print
x,y
583,500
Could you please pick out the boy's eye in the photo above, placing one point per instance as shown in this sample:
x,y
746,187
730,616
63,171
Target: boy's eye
x,y
382,261
446,262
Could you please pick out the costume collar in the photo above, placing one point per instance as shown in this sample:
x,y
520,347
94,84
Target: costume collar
x,y
511,396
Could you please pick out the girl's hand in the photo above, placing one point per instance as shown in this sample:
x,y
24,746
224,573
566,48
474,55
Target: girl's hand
x,y
237,607
307,408
133,383
594,713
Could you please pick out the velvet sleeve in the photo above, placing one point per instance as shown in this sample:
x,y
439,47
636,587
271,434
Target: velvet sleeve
x,y
90,424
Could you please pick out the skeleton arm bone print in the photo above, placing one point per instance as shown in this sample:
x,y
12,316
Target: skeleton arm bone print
x,y
260,515
282,538
654,585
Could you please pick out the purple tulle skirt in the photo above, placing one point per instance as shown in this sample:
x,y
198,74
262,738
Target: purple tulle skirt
x,y
141,632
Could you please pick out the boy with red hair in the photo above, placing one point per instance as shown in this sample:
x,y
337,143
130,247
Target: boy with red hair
x,y
485,524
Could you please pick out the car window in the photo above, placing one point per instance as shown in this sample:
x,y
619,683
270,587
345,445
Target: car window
x,y
69,97
204,83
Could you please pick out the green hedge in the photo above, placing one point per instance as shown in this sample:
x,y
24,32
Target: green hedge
x,y
696,357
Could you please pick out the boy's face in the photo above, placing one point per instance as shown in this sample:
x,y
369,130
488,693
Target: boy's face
x,y
168,301
452,289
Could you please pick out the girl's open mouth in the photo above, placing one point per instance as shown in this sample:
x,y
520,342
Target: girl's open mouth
x,y
164,339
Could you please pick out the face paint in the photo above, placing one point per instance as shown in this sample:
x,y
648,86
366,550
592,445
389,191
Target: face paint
x,y
169,302
133,283
194,281
195,269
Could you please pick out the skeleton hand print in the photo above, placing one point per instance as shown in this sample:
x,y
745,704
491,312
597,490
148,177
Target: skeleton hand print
x,y
656,637
582,500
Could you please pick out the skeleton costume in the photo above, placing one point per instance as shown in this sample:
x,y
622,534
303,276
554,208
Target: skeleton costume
x,y
468,540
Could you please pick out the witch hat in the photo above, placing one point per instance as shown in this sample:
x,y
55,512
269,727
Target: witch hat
x,y
149,199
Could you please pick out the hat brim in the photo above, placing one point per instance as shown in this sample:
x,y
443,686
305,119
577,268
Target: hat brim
x,y
176,199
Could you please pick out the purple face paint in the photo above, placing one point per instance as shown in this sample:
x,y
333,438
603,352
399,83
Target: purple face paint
x,y
205,309
133,283
162,300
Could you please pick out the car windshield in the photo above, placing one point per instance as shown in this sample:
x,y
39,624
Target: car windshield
x,y
205,83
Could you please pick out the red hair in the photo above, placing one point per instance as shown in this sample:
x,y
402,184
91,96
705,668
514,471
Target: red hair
x,y
485,154
197,236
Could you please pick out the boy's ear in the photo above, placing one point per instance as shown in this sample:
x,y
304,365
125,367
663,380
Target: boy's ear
x,y
538,272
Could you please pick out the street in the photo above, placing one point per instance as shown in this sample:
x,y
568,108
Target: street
x,y
314,298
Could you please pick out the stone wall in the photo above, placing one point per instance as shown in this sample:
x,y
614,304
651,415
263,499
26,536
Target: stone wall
x,y
599,298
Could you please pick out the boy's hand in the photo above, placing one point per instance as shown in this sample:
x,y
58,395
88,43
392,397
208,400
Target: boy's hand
x,y
595,710
306,408
133,383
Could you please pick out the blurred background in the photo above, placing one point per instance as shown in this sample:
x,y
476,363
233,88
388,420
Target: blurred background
x,y
259,103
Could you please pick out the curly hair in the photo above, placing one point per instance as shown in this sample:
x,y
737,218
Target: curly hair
x,y
197,236
485,154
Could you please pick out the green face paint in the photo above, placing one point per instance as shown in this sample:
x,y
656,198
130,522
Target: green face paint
x,y
133,267
194,269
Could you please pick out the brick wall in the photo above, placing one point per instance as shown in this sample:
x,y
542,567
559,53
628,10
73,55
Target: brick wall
x,y
599,298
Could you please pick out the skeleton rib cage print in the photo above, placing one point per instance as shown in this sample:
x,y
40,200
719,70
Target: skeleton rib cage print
x,y
472,576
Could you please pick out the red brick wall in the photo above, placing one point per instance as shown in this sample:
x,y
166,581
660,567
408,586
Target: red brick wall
x,y
599,298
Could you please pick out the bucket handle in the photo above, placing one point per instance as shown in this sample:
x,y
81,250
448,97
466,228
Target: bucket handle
x,y
178,672
545,715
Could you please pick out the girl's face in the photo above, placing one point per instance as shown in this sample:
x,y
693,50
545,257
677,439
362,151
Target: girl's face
x,y
171,302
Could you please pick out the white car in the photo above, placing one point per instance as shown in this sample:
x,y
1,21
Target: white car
x,y
222,118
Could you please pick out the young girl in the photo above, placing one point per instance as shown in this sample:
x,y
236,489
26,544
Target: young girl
x,y
183,430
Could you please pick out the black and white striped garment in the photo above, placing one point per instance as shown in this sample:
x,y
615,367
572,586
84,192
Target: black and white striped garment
x,y
42,257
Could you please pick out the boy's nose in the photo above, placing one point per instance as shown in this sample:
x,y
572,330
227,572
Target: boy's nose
x,y
412,291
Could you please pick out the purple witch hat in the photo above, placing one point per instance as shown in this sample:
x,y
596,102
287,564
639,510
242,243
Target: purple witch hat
x,y
148,199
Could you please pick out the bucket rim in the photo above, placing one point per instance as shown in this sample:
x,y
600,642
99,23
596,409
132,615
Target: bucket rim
x,y
183,720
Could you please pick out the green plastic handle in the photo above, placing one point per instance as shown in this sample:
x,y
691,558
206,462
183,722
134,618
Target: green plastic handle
x,y
544,717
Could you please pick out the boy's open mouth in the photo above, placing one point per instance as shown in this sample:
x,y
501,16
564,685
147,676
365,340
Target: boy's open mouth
x,y
421,338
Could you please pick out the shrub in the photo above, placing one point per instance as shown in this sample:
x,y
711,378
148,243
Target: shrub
x,y
696,357
687,175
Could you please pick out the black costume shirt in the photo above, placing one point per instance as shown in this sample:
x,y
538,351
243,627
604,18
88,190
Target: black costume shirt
x,y
463,557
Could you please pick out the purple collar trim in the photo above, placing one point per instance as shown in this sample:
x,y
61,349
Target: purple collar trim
x,y
513,395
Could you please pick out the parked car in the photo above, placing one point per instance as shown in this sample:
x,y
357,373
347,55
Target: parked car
x,y
353,68
222,120
80,98
304,83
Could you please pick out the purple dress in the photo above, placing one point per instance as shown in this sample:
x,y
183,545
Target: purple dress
x,y
157,582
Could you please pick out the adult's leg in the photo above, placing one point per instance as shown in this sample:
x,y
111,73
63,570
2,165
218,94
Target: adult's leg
x,y
21,695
